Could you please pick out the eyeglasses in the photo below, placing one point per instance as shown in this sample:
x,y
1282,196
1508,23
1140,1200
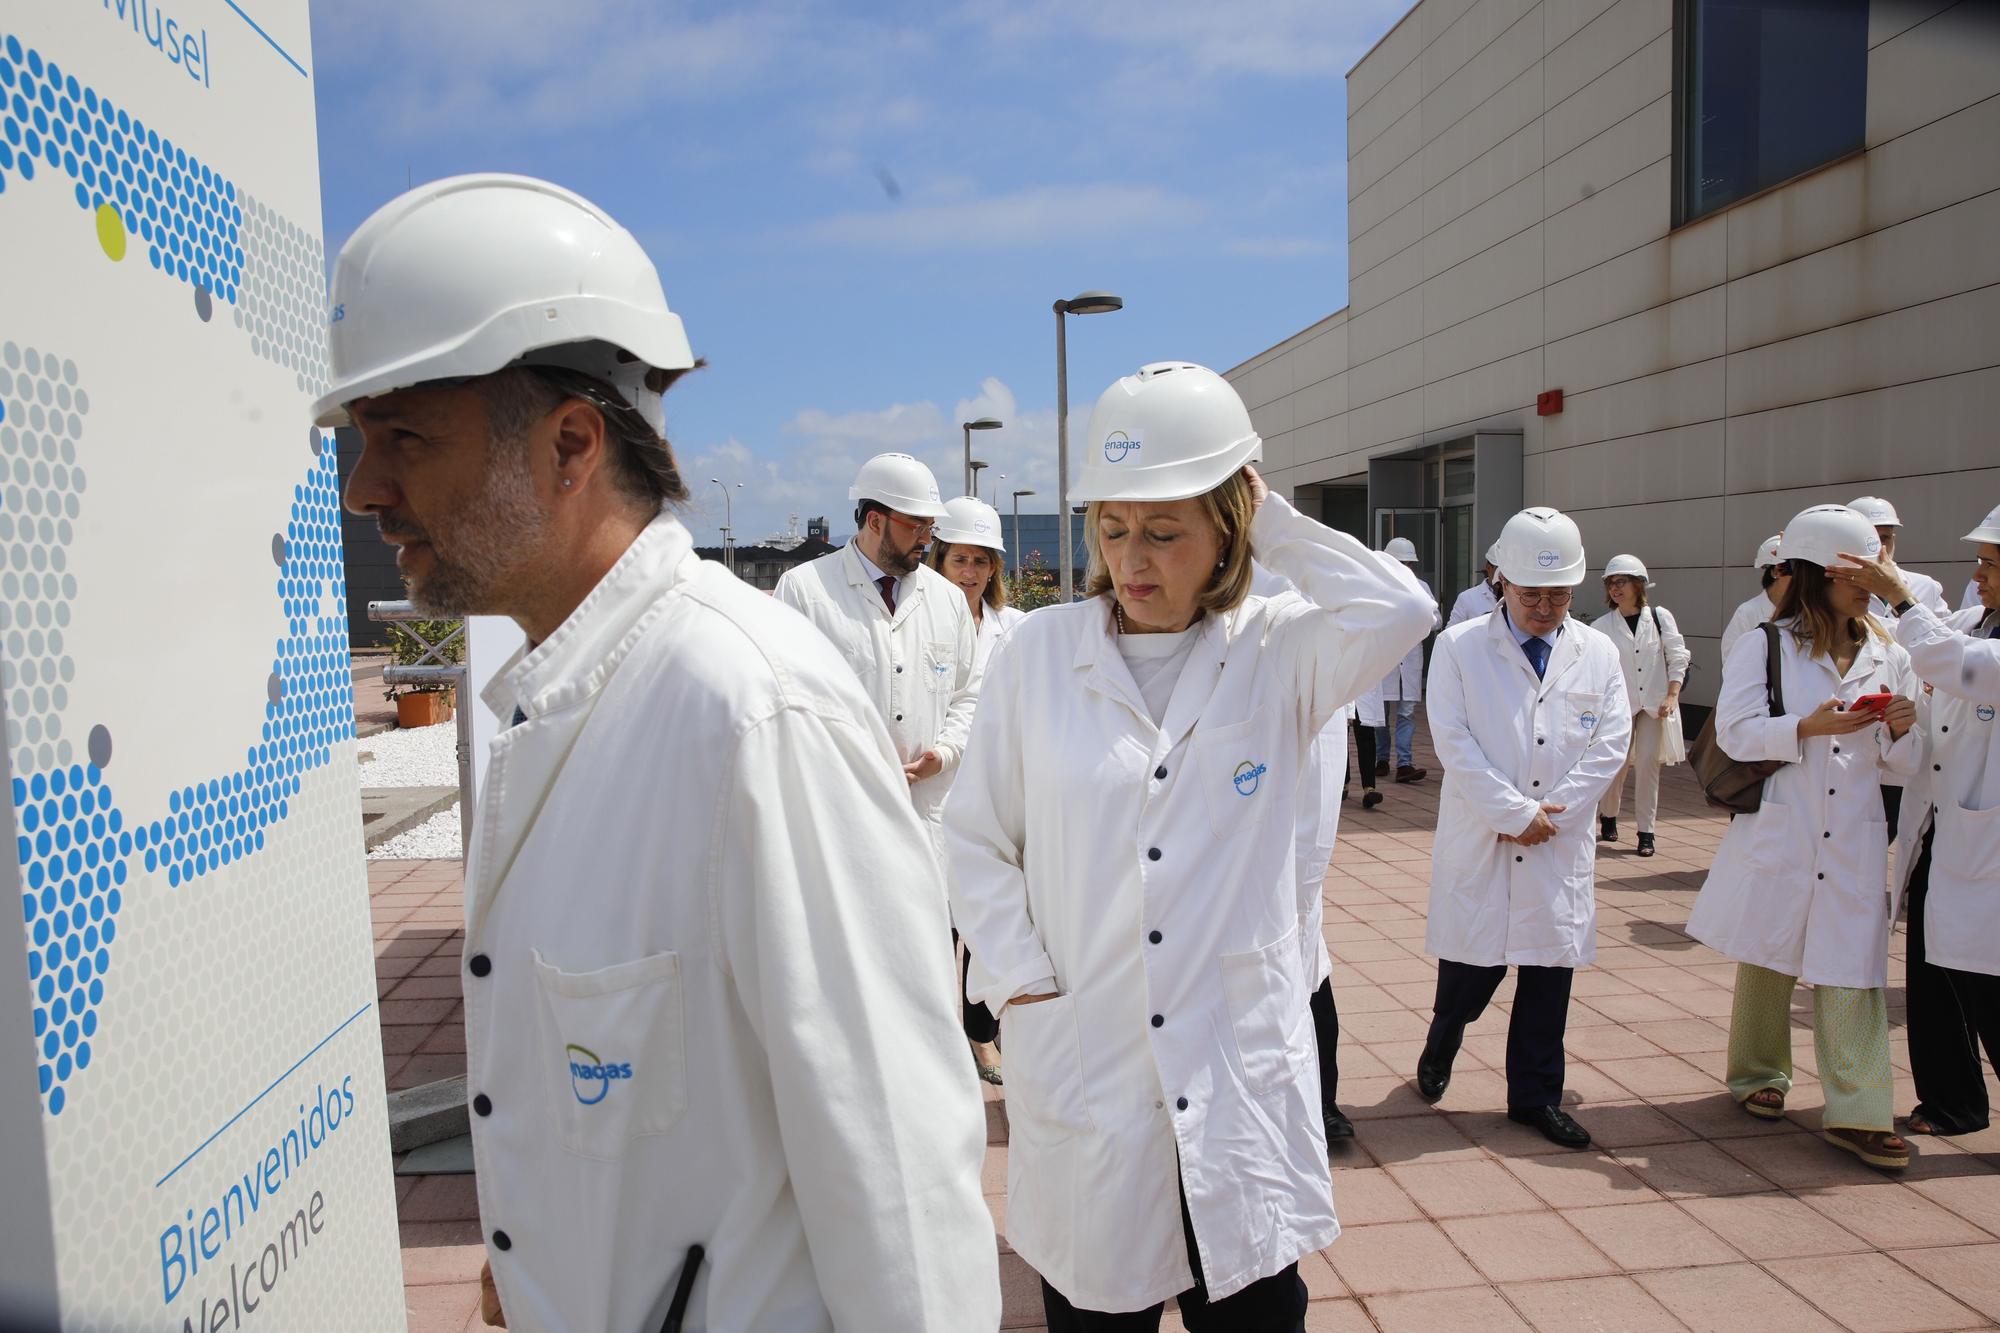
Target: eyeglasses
x,y
1547,597
923,526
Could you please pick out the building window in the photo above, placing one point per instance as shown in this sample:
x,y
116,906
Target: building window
x,y
1768,90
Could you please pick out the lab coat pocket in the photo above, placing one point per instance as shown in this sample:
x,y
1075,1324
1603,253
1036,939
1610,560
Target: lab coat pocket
x,y
1045,1067
613,1046
1969,847
1582,716
1235,776
940,668
1772,844
1265,993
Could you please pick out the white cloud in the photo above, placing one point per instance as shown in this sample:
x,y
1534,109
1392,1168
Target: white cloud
x,y
896,427
1280,247
1032,216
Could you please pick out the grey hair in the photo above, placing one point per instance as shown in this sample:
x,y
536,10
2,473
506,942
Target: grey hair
x,y
643,469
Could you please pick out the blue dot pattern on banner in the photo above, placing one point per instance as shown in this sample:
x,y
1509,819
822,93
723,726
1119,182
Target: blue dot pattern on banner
x,y
76,846
185,212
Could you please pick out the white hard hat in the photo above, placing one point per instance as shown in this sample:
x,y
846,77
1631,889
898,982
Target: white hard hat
x,y
1493,554
1877,511
1629,565
970,522
1401,548
465,276
1540,548
901,483
1820,535
1988,529
1173,431
1767,554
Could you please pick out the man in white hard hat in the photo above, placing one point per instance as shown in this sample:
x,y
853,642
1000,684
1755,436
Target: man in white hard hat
x,y
900,624
1482,598
1949,856
696,897
1398,693
1924,589
1530,719
1776,578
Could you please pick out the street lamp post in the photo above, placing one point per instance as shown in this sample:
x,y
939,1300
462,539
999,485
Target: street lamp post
x,y
1085,303
1017,531
728,525
996,489
977,423
977,466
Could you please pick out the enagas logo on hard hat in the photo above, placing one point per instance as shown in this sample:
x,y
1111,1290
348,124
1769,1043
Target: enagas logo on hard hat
x,y
1546,559
1249,776
591,1076
1118,446
981,525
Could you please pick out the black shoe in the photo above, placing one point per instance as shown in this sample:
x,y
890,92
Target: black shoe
x,y
1433,1074
1607,829
1370,799
1382,768
1411,773
1339,1129
1553,1122
1645,844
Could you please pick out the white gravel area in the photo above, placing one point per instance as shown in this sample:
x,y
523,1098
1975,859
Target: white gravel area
x,y
421,757
436,839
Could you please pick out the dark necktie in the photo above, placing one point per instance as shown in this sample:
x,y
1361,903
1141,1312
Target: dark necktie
x,y
887,583
519,718
1538,654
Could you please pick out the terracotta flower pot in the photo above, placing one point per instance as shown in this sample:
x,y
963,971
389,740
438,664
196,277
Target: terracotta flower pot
x,y
423,709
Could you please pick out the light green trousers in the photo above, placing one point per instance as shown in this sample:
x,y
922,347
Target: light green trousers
x,y
1850,1040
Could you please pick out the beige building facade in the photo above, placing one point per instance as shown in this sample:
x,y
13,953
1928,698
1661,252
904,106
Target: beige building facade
x,y
1755,244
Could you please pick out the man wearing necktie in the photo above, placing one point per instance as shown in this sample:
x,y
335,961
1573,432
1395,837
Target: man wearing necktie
x,y
1950,836
1530,719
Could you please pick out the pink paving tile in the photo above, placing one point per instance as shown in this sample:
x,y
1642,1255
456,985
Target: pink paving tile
x,y
1387,1025
1577,1179
425,1068
1374,1098
1418,1138
1691,1170
425,1235
1975,1198
1773,1226
1801,1161
1685,1036
1872,1293
1591,1305
1717,1115
1473,1089
1616,1125
1322,1283
446,987
1530,1247
1969,1272
1592,984
1638,1236
446,1039
1366,1195
1638,1008
1426,1311
402,1039
1362,997
1463,1188
1020,1293
1399,1257
442,1308
993,1170
1657,1075
427,1266
1599,1044
1892,1216
1493,1131
1730,1298
441,1199
1337,1317
415,1011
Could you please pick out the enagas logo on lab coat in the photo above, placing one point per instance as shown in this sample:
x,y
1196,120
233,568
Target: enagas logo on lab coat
x,y
1249,776
1984,712
1118,446
1588,719
591,1076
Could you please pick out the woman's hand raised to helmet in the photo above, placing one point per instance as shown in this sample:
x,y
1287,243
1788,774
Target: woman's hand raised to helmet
x,y
1258,490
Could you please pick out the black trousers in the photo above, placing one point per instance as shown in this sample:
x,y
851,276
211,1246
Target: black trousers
x,y
979,1022
1326,1033
1943,1025
1892,807
1274,1304
1534,1028
1364,754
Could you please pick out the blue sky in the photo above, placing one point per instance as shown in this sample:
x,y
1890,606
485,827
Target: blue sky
x,y
863,212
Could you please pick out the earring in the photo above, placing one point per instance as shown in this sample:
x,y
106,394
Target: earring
x,y
568,482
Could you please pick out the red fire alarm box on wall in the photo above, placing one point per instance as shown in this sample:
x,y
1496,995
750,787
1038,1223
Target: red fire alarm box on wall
x,y
1548,402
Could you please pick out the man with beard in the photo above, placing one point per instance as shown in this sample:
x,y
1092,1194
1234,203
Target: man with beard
x,y
697,898
900,624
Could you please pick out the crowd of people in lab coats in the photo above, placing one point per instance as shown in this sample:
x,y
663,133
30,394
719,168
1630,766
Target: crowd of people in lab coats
x,y
717,1034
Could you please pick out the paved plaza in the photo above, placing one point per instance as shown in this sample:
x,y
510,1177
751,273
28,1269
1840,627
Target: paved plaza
x,y
1687,1213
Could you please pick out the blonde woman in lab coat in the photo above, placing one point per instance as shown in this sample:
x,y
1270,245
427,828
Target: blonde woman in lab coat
x,y
1799,889
1123,864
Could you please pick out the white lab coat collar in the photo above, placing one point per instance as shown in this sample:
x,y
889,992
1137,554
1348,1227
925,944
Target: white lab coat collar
x,y
1508,640
1104,666
862,572
575,661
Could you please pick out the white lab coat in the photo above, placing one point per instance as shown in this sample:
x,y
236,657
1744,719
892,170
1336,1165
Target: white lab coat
x,y
1476,601
1651,659
695,867
1970,597
1508,743
1754,612
1924,591
1958,782
1078,830
1405,682
918,666
993,627
1801,886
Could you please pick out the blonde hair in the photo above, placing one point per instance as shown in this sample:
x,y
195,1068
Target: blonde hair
x,y
995,595
1808,611
1229,511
